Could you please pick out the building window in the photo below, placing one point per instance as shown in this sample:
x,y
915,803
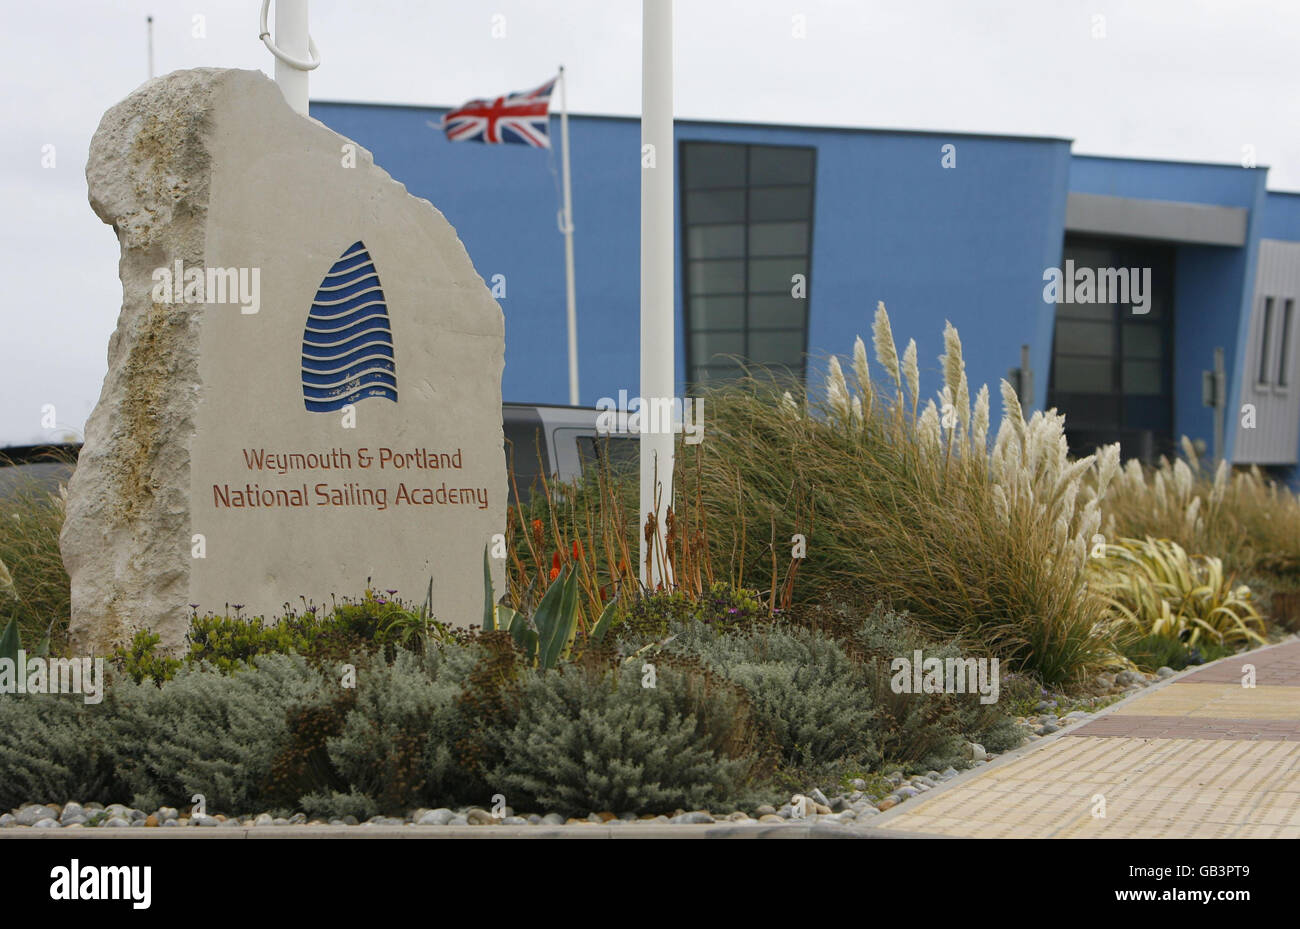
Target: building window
x,y
747,214
1284,343
1112,369
1266,328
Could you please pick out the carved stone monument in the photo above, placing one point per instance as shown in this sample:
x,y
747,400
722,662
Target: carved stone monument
x,y
304,387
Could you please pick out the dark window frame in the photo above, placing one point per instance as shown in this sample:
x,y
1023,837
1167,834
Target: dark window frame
x,y
746,292
1125,253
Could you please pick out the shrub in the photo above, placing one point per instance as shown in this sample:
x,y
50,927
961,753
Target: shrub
x,y
395,746
210,733
55,748
805,691
371,623
652,615
1160,590
917,731
591,738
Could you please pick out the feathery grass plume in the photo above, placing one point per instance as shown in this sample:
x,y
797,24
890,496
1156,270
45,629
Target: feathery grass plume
x,y
1011,409
1182,480
927,428
788,406
912,374
1107,468
1220,482
862,372
7,581
886,352
858,419
954,374
1192,520
980,422
837,390
1189,450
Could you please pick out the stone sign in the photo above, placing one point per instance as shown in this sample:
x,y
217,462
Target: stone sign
x,y
304,387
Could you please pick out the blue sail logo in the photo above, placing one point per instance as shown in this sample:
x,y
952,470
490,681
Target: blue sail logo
x,y
347,346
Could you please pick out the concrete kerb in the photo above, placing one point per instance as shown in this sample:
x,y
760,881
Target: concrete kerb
x,y
792,830
1015,755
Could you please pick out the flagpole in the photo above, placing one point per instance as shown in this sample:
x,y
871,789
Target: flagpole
x,y
571,296
658,339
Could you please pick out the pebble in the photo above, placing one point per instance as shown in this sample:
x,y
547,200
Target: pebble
x,y
553,819
32,814
116,822
692,818
458,820
8,819
49,822
480,818
770,818
1164,672
976,751
439,817
887,803
264,819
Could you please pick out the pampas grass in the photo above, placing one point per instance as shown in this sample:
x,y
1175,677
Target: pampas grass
x,y
34,586
990,546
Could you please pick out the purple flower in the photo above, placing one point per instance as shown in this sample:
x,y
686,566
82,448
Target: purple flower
x,y
390,592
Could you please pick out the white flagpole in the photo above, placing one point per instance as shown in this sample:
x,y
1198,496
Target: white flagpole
x,y
149,26
657,317
295,53
571,296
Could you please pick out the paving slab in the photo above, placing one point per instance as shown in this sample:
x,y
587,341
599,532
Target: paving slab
x,y
1198,756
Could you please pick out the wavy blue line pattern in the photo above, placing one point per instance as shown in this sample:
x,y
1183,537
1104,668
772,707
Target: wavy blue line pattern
x,y
347,345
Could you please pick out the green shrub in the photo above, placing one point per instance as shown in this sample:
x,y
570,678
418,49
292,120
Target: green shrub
x,y
917,731
55,748
805,690
591,739
652,615
372,623
142,662
214,734
396,743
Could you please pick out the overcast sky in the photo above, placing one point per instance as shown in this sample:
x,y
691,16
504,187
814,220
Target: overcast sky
x,y
1178,79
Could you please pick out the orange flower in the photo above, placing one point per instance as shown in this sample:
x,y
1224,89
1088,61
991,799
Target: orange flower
x,y
577,550
537,532
555,566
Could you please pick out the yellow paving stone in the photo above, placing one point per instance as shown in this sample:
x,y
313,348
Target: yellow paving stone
x,y
1153,788
1221,701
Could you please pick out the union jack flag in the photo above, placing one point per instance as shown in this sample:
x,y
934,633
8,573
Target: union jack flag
x,y
518,118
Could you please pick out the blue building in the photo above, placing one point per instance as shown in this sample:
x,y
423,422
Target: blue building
x,y
939,226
